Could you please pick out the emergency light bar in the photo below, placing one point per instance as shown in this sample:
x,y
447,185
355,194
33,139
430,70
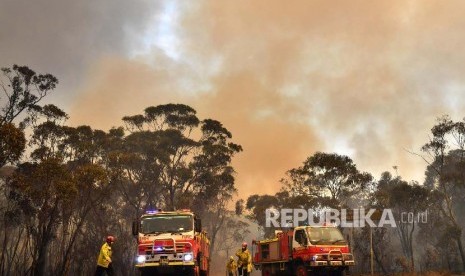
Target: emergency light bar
x,y
152,212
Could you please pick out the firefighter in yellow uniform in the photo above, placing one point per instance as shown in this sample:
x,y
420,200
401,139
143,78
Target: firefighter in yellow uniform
x,y
231,267
244,264
104,258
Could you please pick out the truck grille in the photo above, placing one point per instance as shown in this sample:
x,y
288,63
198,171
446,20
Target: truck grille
x,y
335,256
163,247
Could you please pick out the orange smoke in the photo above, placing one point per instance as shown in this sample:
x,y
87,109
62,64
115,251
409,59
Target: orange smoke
x,y
288,79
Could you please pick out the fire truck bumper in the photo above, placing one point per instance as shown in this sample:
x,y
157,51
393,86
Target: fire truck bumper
x,y
349,263
321,260
186,259
318,263
331,263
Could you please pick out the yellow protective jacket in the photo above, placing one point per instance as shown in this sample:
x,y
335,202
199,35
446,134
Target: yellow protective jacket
x,y
231,266
245,258
104,257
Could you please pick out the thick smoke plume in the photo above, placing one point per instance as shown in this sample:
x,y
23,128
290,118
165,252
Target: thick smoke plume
x,y
362,78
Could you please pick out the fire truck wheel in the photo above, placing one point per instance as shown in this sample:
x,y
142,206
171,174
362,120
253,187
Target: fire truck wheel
x,y
301,270
266,271
191,272
147,272
341,272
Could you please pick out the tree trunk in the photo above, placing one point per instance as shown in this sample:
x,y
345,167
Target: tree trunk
x,y
412,261
67,258
2,261
462,254
379,262
39,270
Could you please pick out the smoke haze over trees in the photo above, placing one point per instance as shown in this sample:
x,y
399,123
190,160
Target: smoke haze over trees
x,y
64,188
363,78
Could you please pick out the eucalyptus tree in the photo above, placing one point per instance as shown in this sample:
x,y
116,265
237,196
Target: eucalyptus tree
x,y
234,232
84,150
22,90
408,202
331,177
257,206
187,158
445,173
47,184
63,181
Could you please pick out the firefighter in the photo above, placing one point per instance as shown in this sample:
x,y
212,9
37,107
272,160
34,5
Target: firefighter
x,y
104,258
231,267
244,262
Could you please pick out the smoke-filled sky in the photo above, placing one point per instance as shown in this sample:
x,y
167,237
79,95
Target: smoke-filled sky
x,y
362,78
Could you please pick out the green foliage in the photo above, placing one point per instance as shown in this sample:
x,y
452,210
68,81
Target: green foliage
x,y
24,89
239,207
12,143
326,179
173,163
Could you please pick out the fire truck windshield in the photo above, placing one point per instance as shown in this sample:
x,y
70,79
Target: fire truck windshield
x,y
325,235
167,224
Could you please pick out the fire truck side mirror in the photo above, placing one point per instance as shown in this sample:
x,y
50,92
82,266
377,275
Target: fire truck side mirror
x,y
135,228
198,225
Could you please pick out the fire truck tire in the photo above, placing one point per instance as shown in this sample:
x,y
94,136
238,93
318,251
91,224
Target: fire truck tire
x,y
191,272
341,272
301,270
266,271
147,272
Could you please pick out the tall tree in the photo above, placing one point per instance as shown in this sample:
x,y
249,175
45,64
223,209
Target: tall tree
x,y
63,183
233,233
445,171
185,165
257,206
329,174
404,199
22,90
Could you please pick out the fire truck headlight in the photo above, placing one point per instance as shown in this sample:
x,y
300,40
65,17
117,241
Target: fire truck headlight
x,y
188,257
318,258
140,259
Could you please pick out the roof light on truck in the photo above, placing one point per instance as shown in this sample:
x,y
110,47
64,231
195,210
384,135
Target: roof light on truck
x,y
152,211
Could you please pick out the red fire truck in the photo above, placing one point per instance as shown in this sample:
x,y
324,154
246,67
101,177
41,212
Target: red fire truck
x,y
171,243
302,251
